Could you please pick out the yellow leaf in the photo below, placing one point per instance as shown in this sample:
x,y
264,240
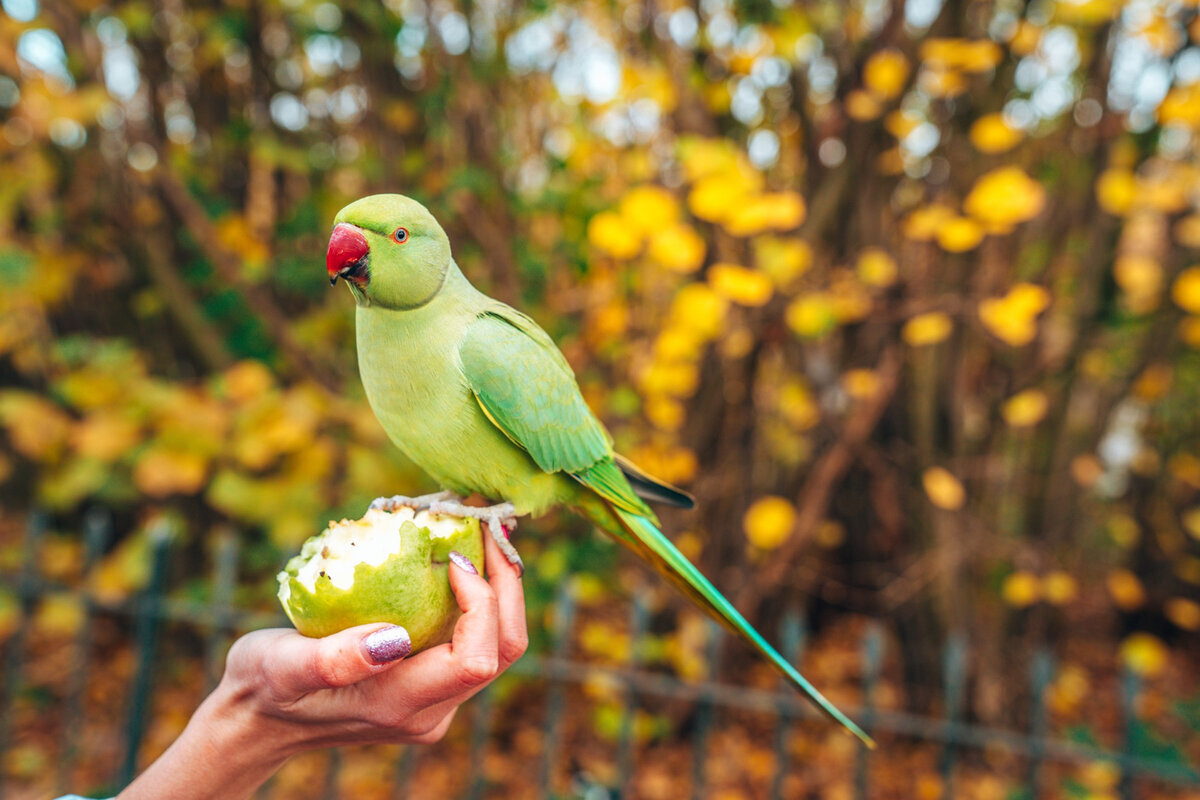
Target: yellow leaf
x,y
849,299
1025,409
1069,689
944,490
665,413
1144,654
862,106
1189,332
1005,197
785,260
1086,469
769,522
675,344
1100,778
1059,587
1191,522
704,157
902,122
1183,612
716,197
861,384
1021,589
648,209
811,315
797,405
59,616
991,134
927,329
923,224
1187,231
1186,290
234,233
977,55
743,286
105,435
699,310
1025,38
1182,105
670,463
1141,279
941,82
1126,590
673,379
959,234
678,248
610,233
37,428
1085,12
885,73
246,381
876,268
160,471
1116,190
1013,317
777,211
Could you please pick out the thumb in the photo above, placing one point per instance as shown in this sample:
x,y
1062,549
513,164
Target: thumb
x,y
305,665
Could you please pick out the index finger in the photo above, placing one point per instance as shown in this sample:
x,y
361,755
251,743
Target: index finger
x,y
505,579
465,665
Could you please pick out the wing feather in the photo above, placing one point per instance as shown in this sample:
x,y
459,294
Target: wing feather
x,y
526,389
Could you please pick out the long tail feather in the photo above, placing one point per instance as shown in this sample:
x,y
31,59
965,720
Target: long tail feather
x,y
647,541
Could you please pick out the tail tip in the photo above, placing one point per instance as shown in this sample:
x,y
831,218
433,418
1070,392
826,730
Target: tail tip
x,y
862,736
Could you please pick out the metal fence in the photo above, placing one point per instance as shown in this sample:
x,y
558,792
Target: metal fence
x,y
218,620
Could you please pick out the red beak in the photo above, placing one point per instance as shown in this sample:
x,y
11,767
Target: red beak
x,y
347,255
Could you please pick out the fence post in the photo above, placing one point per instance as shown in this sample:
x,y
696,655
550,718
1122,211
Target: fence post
x,y
1040,675
1130,688
224,578
481,729
27,591
792,635
872,653
406,764
564,608
625,751
97,527
704,710
148,609
954,664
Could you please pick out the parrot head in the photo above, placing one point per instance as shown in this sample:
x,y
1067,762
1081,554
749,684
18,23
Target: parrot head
x,y
390,251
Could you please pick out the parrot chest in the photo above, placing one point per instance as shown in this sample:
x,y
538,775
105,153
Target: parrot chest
x,y
411,372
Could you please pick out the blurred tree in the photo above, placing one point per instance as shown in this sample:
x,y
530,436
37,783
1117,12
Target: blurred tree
x,y
900,290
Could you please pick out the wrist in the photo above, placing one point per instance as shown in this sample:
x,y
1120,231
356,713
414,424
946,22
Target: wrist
x,y
227,751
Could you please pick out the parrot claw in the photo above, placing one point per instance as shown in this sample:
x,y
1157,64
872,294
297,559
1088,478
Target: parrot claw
x,y
420,503
500,519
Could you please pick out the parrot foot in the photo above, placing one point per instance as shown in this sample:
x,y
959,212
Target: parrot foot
x,y
420,503
500,520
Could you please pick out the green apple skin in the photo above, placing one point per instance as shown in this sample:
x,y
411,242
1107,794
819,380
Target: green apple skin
x,y
410,588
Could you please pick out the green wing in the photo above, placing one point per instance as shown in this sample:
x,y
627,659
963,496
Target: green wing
x,y
528,391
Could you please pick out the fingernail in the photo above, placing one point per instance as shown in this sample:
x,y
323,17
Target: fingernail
x,y
463,563
507,532
387,644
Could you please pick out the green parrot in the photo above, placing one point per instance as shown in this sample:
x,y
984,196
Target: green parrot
x,y
479,396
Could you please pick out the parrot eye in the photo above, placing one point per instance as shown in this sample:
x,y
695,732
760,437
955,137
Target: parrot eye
x,y
400,235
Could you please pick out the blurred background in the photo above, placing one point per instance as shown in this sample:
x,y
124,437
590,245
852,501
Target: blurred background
x,y
903,292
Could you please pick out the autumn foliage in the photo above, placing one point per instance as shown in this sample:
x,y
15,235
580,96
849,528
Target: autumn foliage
x,y
908,295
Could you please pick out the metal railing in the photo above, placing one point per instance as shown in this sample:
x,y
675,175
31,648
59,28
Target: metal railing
x,y
218,621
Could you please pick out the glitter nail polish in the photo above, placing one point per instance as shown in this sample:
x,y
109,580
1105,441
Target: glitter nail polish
x,y
462,562
387,644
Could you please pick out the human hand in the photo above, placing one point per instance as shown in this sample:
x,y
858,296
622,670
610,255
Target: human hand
x,y
284,693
